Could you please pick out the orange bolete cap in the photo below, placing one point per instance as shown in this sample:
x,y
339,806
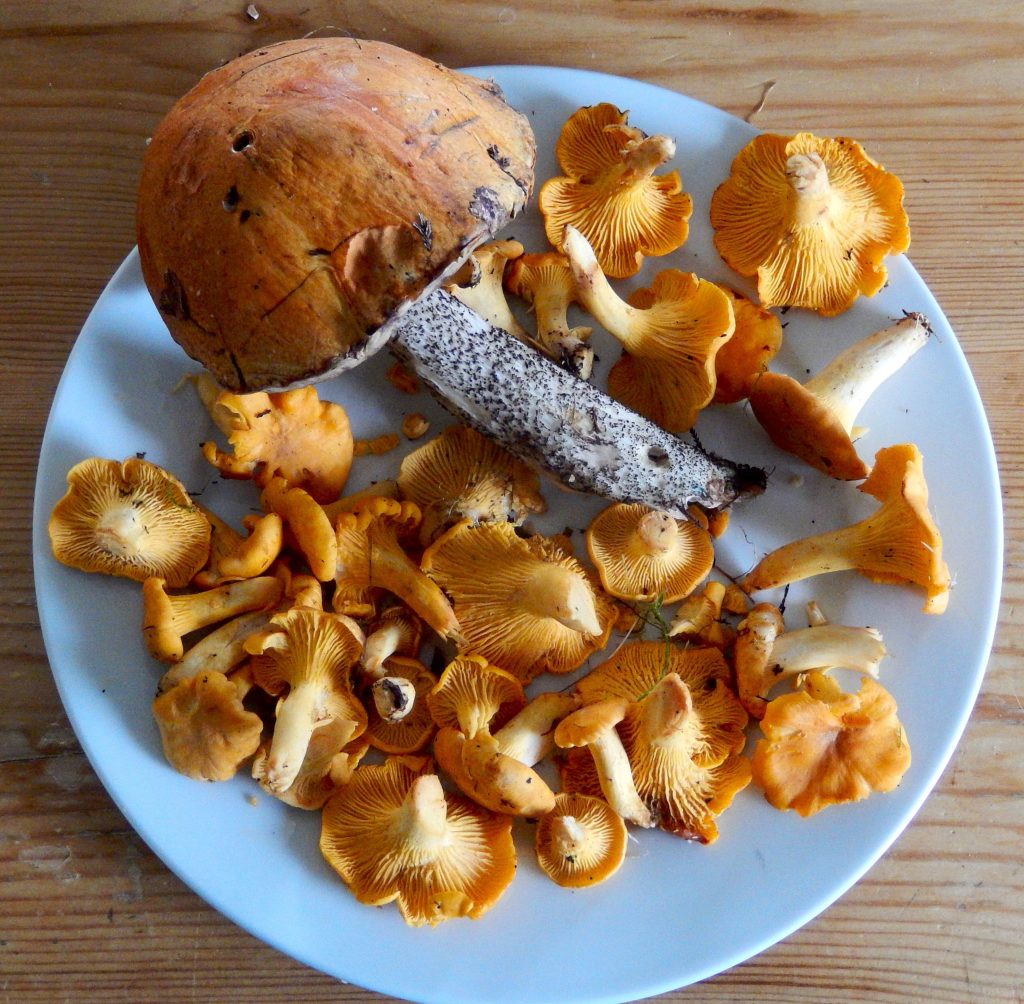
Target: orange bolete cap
x,y
819,752
393,835
641,553
813,219
129,518
610,193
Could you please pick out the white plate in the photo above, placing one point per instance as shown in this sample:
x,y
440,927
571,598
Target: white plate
x,y
676,912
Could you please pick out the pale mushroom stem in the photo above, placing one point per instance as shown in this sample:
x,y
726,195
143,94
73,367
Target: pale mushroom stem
x,y
615,774
808,177
658,534
296,719
381,644
568,836
642,158
667,710
393,697
828,646
423,819
595,292
847,382
554,591
529,735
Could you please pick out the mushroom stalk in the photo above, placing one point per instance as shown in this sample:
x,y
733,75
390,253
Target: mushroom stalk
x,y
554,591
530,735
847,382
616,776
808,177
667,711
543,414
423,819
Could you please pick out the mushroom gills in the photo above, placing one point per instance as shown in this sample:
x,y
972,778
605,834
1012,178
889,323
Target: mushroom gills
x,y
547,416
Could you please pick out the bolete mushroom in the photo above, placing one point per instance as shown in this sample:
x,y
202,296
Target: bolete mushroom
x,y
269,279
129,518
812,218
815,420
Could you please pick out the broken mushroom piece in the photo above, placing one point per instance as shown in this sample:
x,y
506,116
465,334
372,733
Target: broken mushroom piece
x,y
813,219
641,554
129,518
306,656
755,341
167,618
581,842
398,717
900,543
610,193
233,556
392,834
396,631
671,334
765,653
815,420
479,285
545,281
371,557
821,752
292,434
461,474
525,609
205,732
593,726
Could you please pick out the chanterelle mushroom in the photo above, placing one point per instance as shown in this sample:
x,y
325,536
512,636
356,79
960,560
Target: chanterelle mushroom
x,y
393,834
812,218
129,518
899,543
814,420
671,333
610,192
268,278
581,842
641,553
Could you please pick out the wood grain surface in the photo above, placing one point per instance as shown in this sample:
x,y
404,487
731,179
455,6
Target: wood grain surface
x,y
934,91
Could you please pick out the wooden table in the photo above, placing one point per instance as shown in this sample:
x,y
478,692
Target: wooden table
x,y
87,913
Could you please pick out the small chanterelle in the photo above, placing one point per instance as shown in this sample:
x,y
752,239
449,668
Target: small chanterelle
x,y
416,623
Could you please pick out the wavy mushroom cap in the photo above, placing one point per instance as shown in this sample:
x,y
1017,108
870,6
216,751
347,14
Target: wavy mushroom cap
x,y
819,752
581,842
474,696
293,434
523,605
392,834
461,474
205,732
671,333
262,271
755,341
813,219
609,191
129,518
641,553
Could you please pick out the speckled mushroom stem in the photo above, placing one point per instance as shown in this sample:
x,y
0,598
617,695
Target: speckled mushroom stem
x,y
547,416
